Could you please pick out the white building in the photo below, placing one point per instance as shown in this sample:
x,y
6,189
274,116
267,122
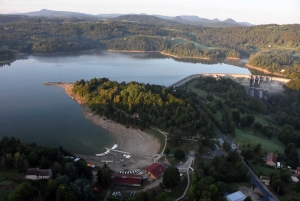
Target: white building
x,y
237,196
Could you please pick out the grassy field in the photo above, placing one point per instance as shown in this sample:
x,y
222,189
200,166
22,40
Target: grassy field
x,y
233,187
262,170
243,137
218,116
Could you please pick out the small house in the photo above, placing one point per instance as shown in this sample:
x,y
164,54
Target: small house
x,y
37,174
271,159
136,115
156,170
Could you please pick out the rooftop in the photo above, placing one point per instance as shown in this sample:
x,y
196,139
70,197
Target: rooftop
x,y
156,169
237,196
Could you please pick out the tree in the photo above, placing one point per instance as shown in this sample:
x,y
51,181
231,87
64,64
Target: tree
x,y
248,154
248,198
179,154
226,146
23,192
258,126
250,119
286,134
257,148
44,163
33,159
142,196
71,171
285,176
171,177
163,197
104,176
167,151
82,189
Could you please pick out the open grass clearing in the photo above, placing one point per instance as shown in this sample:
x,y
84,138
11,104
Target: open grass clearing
x,y
244,137
233,187
263,170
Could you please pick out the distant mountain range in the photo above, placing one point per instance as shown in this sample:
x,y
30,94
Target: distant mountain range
x,y
182,19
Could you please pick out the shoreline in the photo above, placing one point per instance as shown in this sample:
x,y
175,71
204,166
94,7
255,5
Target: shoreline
x,y
163,53
233,58
264,70
124,137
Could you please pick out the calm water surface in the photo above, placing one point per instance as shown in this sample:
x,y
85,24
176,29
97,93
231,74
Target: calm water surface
x,y
46,115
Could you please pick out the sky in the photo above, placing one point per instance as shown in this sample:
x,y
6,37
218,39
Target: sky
x,y
253,11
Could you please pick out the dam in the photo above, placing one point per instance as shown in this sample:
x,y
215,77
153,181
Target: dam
x,y
256,85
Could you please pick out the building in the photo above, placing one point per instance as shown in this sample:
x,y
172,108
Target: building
x,y
237,196
37,174
127,179
155,170
271,159
298,170
265,180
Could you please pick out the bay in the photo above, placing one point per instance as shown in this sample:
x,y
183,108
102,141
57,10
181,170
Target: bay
x,y
46,115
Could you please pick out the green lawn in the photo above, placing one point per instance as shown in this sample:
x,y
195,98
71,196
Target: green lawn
x,y
218,116
233,187
243,137
262,170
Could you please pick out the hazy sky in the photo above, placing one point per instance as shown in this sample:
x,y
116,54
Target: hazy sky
x,y
253,11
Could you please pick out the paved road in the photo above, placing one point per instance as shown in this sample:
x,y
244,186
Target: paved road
x,y
255,180
187,165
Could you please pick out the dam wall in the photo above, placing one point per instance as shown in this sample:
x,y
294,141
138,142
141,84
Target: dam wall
x,y
257,85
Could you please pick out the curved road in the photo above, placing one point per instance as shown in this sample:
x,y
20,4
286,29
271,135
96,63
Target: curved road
x,y
255,180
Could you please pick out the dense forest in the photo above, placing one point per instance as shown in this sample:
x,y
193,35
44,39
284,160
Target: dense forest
x,y
138,43
156,105
209,181
70,180
6,55
17,32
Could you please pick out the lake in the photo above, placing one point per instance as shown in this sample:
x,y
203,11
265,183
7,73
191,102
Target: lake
x,y
46,115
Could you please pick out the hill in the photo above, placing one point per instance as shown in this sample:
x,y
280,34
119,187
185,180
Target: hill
x,y
145,19
52,13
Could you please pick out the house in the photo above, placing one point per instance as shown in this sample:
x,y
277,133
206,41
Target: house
x,y
265,180
237,196
271,159
136,115
37,174
156,170
127,179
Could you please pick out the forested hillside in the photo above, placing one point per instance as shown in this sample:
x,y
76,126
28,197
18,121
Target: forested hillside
x,y
16,32
156,105
70,179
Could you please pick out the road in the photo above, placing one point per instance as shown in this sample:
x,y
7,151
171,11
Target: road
x,y
255,180
186,165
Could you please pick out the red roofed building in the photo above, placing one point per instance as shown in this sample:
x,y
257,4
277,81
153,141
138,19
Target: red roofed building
x,y
156,170
271,159
127,179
